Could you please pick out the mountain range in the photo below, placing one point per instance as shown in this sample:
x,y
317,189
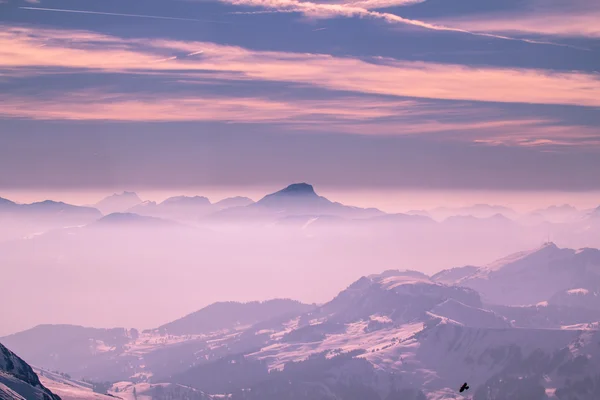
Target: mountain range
x,y
387,336
298,201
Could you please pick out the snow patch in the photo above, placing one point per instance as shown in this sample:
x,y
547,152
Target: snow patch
x,y
578,291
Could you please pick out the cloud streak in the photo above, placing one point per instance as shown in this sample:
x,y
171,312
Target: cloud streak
x,y
105,106
357,9
20,51
349,115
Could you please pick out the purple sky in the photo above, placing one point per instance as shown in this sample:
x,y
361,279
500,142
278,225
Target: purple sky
x,y
368,95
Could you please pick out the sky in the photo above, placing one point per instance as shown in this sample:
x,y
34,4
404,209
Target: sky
x,y
353,96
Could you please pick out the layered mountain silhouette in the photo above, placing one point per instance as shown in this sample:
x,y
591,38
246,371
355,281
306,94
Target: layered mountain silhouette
x,y
49,210
22,220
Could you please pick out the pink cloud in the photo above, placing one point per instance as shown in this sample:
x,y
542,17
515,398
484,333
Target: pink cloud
x,y
99,105
22,49
351,115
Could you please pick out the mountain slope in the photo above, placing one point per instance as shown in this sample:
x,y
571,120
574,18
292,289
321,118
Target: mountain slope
x,y
72,349
229,315
470,316
17,377
450,276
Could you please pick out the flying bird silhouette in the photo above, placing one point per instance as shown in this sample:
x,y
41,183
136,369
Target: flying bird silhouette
x,y
464,387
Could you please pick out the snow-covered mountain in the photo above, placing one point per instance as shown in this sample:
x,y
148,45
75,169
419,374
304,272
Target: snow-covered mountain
x,y
396,335
534,276
18,381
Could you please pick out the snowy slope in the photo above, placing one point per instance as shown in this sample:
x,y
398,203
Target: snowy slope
x,y
534,276
470,316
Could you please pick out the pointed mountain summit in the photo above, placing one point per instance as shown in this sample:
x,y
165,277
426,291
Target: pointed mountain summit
x,y
118,202
297,189
301,199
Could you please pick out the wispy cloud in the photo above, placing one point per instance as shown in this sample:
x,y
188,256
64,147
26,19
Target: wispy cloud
x,y
362,9
346,114
107,106
349,115
20,50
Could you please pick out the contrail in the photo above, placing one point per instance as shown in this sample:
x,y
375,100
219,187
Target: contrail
x,y
165,59
121,15
195,53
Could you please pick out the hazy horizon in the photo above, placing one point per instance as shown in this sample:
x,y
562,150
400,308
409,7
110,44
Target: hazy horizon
x,y
387,200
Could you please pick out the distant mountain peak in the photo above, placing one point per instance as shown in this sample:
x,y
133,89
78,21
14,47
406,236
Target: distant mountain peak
x,y
549,245
298,189
122,195
118,202
296,193
187,200
4,201
126,194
